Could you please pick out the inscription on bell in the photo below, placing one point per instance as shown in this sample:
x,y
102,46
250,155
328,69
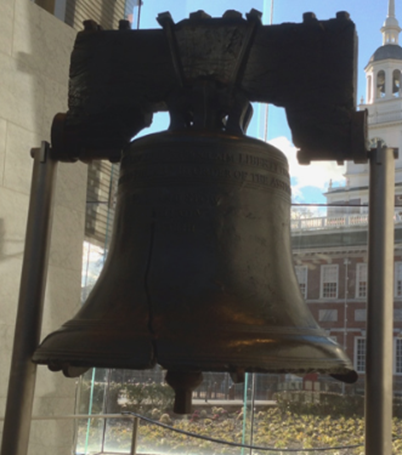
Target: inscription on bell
x,y
263,163
196,157
271,182
271,174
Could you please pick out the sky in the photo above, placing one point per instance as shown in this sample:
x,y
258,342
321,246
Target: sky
x,y
308,182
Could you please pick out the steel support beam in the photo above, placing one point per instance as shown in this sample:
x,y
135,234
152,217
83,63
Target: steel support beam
x,y
21,386
379,342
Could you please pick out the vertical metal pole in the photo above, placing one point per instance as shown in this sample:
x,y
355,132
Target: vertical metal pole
x,y
21,386
134,437
346,263
379,348
252,415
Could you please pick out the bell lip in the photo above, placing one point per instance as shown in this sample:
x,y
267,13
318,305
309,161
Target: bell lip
x,y
349,377
72,346
309,351
343,373
60,363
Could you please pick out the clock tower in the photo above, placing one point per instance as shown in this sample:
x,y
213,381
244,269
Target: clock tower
x,y
384,105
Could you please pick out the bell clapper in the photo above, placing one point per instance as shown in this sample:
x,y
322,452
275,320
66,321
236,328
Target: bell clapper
x,y
183,383
237,376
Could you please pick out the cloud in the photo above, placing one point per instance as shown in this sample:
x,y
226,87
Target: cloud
x,y
317,174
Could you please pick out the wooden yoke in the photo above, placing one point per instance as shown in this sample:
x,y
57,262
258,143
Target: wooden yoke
x,y
118,79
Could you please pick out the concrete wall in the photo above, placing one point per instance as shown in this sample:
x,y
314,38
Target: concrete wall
x,y
34,59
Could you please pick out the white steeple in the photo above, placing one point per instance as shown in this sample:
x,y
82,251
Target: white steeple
x,y
390,30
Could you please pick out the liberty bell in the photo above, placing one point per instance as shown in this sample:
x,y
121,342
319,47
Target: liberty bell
x,y
199,275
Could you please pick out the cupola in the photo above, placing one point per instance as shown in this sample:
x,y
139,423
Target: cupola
x,y
383,70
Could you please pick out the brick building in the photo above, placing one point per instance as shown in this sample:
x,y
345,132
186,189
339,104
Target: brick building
x,y
331,265
331,252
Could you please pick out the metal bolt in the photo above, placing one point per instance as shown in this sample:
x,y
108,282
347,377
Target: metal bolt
x,y
232,14
200,14
124,25
164,19
254,14
90,26
343,15
309,17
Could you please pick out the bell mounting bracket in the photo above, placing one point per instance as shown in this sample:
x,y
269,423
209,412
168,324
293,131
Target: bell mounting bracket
x,y
206,72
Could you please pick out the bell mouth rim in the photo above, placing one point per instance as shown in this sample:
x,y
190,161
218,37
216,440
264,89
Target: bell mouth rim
x,y
342,373
328,360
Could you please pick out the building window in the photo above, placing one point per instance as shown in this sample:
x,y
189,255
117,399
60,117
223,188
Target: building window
x,y
361,281
396,83
369,78
301,273
328,315
397,315
360,354
380,84
398,279
398,356
360,315
329,281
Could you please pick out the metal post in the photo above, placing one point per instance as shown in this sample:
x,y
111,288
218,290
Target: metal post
x,y
346,263
379,348
252,413
134,437
21,386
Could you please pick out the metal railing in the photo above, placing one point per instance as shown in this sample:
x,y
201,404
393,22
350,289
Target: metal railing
x,y
384,117
324,222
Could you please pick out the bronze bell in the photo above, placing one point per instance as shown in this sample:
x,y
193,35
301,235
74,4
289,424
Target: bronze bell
x,y
199,275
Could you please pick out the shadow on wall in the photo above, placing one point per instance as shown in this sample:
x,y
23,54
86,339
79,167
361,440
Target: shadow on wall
x,y
53,395
107,13
30,63
9,241
77,9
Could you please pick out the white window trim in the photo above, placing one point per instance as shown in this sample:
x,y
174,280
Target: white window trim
x,y
396,340
363,311
396,267
356,340
359,266
323,267
322,312
304,267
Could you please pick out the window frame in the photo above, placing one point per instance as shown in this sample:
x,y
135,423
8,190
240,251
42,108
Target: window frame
x,y
359,267
357,355
364,311
397,268
381,89
305,272
322,283
322,311
396,93
397,341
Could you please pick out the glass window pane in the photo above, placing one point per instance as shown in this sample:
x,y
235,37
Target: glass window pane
x,y
398,355
301,273
361,281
